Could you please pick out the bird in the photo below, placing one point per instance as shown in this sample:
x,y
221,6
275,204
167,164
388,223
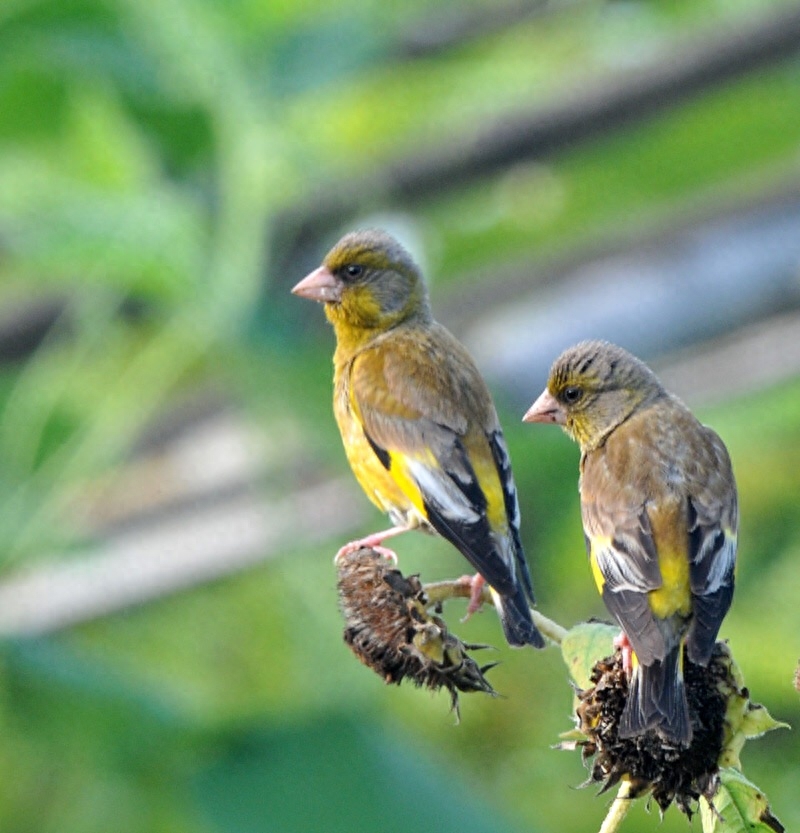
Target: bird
x,y
417,421
660,518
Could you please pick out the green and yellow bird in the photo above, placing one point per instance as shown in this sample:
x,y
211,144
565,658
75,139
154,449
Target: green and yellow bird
x,y
417,421
660,517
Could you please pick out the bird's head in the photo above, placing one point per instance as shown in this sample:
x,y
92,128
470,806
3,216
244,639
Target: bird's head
x,y
368,282
593,387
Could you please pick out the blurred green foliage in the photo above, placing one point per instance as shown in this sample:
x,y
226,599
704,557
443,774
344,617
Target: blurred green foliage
x,y
146,149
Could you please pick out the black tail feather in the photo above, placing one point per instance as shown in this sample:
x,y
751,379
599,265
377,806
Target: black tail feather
x,y
657,700
515,616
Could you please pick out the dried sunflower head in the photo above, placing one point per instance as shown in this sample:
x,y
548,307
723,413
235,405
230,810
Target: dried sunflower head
x,y
388,627
669,773
723,718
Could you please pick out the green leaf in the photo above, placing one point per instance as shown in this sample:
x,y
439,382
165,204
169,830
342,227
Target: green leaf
x,y
751,721
739,807
758,721
583,646
744,719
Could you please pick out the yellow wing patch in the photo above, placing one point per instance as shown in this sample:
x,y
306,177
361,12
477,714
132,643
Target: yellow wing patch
x,y
398,471
486,475
598,543
675,595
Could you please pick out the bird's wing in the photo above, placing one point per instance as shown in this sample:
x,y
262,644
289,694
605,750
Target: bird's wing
x,y
500,455
713,524
428,417
622,553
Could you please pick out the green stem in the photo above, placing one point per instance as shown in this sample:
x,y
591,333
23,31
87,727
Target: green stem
x,y
618,809
461,588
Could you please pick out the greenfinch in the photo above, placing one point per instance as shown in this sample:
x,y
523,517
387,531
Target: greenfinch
x,y
660,518
417,421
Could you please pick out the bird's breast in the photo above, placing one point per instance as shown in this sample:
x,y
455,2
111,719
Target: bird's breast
x,y
381,485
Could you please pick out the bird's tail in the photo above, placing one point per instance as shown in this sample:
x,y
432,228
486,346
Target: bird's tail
x,y
657,700
515,617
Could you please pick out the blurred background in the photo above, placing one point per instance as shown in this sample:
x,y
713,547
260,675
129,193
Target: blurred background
x,y
172,484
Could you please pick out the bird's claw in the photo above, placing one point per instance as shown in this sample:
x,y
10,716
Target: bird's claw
x,y
476,584
389,555
364,543
623,643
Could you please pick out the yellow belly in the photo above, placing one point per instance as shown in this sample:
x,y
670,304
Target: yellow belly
x,y
390,490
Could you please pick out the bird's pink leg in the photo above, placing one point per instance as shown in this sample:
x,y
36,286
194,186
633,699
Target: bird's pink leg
x,y
476,584
372,542
625,646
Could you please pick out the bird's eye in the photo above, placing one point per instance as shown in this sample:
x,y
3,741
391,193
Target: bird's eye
x,y
353,270
571,394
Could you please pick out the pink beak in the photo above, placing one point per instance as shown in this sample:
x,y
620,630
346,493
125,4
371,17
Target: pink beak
x,y
545,409
320,285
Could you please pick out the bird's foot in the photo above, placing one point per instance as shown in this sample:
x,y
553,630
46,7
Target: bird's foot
x,y
371,542
622,642
389,555
476,584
